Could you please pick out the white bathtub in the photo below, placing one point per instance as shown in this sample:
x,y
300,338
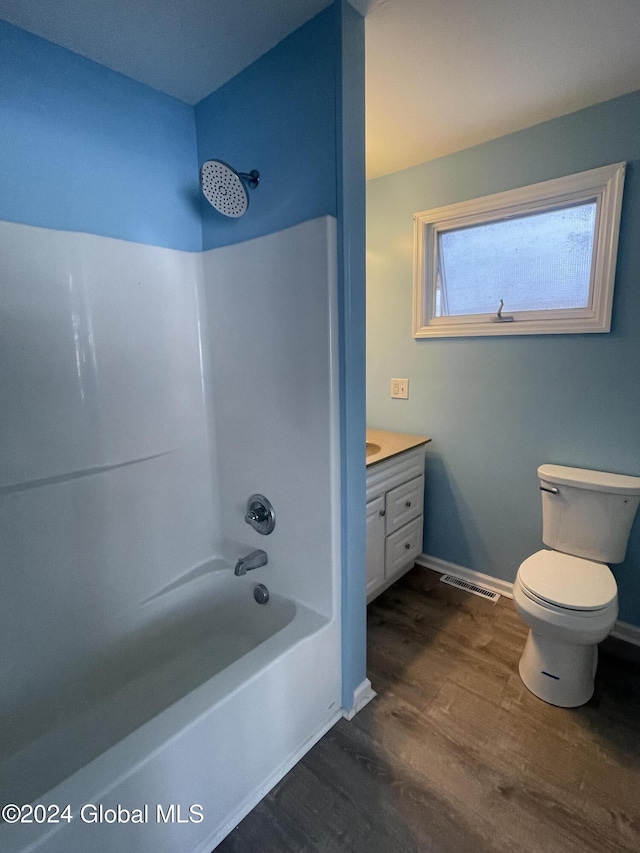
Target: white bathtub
x,y
204,705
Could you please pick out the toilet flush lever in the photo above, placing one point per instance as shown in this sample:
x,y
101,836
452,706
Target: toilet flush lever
x,y
552,490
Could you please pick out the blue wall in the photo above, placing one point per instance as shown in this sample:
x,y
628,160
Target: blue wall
x,y
499,407
83,148
121,159
279,117
351,278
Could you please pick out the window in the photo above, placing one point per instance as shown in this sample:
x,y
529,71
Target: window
x,y
531,261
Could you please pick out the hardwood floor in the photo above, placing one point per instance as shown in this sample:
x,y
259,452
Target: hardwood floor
x,y
455,754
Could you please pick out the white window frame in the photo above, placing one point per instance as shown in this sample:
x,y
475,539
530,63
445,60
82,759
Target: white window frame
x,y
602,186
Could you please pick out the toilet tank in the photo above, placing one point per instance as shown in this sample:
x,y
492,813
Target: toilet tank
x,y
591,514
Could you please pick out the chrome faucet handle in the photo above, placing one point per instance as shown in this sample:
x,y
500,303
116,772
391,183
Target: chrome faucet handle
x,y
260,514
252,561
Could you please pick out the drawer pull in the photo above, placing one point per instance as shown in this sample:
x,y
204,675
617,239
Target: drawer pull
x,y
408,504
383,512
408,546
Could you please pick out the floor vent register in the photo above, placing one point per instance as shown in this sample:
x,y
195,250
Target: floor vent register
x,y
470,587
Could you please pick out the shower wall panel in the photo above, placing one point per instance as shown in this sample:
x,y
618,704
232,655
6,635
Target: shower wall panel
x,y
105,481
272,327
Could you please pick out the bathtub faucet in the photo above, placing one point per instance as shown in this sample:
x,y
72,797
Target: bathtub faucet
x,y
252,561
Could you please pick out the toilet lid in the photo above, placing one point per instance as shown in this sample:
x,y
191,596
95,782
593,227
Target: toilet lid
x,y
567,581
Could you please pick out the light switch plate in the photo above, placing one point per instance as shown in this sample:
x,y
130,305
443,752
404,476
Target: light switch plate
x,y
400,389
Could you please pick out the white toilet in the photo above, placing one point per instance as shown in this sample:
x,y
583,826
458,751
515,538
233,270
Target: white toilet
x,y
568,596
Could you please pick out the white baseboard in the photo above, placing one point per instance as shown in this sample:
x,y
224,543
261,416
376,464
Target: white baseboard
x,y
627,633
362,695
621,630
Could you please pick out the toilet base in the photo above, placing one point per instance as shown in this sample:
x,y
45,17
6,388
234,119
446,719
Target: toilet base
x,y
559,673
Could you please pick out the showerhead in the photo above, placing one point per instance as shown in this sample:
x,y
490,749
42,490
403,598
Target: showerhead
x,y
224,189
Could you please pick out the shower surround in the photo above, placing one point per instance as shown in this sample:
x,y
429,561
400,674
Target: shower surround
x,y
148,388
136,665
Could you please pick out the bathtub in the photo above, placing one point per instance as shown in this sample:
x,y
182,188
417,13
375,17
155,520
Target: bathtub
x,y
205,701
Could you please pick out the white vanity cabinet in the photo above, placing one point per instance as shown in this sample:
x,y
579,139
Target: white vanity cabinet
x,y
395,506
375,544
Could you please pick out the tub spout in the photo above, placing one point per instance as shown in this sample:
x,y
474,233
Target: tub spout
x,y
252,561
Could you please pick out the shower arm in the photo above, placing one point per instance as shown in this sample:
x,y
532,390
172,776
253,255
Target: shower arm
x,y
252,177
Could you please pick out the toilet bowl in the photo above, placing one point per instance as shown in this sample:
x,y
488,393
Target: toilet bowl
x,y
570,605
567,595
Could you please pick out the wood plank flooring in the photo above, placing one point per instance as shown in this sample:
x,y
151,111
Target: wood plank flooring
x,y
455,754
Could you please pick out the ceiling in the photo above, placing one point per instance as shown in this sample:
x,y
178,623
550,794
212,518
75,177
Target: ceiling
x,y
186,48
441,75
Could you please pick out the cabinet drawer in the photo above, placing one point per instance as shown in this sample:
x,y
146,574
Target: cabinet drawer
x,y
384,476
404,503
402,547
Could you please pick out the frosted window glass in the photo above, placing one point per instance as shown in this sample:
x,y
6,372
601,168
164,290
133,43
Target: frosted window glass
x,y
536,262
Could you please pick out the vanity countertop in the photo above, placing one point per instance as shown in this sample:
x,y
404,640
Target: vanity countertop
x,y
391,443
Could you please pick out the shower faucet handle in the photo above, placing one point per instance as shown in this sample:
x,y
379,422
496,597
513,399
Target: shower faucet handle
x,y
260,514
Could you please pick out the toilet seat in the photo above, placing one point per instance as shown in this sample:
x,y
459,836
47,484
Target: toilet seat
x,y
556,580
